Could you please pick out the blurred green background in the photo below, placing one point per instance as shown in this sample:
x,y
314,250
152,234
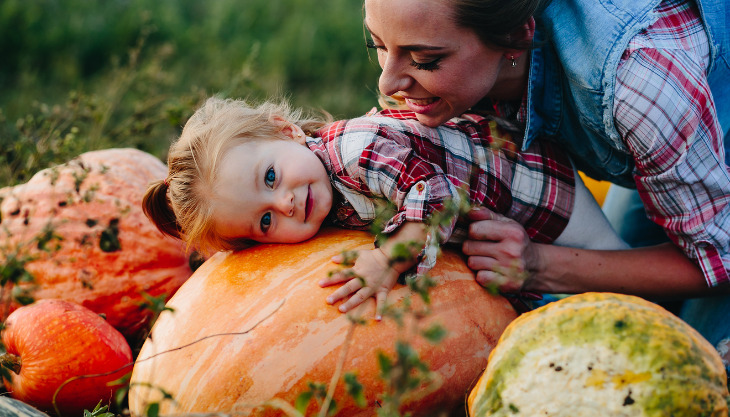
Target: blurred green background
x,y
78,75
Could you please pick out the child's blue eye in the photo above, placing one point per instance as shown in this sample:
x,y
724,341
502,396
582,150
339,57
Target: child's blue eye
x,y
270,177
265,222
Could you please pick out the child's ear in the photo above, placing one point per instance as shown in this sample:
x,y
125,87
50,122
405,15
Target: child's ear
x,y
290,129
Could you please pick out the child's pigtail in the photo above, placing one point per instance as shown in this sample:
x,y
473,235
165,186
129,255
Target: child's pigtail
x,y
156,207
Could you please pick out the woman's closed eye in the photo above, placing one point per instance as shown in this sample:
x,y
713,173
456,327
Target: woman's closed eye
x,y
432,65
370,44
427,66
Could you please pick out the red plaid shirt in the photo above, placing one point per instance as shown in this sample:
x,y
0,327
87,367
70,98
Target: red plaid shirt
x,y
392,156
663,110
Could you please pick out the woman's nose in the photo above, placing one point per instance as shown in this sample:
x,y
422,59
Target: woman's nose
x,y
393,78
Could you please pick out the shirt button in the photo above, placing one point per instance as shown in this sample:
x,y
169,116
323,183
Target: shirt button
x,y
420,187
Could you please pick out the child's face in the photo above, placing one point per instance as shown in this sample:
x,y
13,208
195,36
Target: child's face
x,y
274,191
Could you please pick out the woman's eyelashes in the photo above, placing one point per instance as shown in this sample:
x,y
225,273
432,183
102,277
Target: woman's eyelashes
x,y
427,66
371,45
432,65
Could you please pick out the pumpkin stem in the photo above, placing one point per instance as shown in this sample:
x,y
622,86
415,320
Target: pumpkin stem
x,y
11,362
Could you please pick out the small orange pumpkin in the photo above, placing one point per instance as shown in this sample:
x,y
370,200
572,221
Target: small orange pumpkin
x,y
253,326
54,344
108,252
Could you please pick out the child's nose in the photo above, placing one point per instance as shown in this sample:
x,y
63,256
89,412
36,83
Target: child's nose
x,y
285,203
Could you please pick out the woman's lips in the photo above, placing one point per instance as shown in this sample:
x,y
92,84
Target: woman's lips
x,y
309,204
423,105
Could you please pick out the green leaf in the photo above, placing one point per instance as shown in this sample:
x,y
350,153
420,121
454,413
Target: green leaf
x,y
434,333
302,401
355,390
153,410
385,364
98,411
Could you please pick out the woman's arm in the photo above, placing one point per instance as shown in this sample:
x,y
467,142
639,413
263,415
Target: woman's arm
x,y
498,243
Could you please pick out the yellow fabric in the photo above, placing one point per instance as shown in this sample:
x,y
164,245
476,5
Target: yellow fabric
x,y
597,188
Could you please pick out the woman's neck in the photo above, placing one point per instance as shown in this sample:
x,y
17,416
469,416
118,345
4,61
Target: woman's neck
x,y
512,81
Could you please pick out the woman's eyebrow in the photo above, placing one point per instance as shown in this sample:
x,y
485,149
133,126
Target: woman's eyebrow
x,y
413,47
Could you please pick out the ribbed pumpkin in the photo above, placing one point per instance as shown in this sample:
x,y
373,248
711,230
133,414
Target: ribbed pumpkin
x,y
109,251
62,349
253,326
601,354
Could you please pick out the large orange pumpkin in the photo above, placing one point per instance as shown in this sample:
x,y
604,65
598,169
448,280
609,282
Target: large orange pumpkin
x,y
108,252
253,326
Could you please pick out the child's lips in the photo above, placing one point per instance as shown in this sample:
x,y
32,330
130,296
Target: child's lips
x,y
309,203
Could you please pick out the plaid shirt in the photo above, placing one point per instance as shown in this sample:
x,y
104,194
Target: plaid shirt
x,y
391,156
663,110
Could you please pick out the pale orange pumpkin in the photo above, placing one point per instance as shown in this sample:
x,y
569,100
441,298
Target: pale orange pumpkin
x,y
601,354
253,326
56,345
109,252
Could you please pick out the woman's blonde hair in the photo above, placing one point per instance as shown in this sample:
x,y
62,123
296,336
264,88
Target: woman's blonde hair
x,y
181,205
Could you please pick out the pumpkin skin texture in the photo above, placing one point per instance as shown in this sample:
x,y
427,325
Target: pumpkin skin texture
x,y
109,252
58,341
14,408
601,354
299,338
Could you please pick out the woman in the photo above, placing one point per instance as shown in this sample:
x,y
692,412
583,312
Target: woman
x,y
635,92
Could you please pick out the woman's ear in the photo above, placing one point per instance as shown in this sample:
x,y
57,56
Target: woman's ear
x,y
522,35
290,129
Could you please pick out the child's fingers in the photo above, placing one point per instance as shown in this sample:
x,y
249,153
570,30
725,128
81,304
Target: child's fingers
x,y
345,290
380,298
356,299
336,278
338,258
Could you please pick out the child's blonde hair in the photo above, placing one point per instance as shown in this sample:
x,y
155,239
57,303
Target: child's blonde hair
x,y
181,205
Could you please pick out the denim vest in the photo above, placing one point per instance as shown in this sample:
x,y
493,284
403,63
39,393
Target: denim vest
x,y
570,97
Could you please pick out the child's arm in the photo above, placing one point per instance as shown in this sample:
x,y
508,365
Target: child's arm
x,y
376,269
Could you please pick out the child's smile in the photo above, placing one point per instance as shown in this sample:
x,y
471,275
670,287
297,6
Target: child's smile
x,y
271,191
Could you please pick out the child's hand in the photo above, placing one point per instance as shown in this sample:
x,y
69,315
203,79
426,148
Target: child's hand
x,y
371,275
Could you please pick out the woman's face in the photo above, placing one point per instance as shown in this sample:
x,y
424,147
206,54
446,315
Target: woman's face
x,y
440,69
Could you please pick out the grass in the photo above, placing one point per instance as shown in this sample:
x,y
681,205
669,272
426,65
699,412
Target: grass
x,y
87,74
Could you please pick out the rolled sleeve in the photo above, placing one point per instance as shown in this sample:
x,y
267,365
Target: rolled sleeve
x,y
680,171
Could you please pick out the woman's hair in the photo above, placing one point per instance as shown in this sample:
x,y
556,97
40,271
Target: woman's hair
x,y
182,205
495,21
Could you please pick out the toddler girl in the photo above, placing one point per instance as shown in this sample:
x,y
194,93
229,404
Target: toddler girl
x,y
240,174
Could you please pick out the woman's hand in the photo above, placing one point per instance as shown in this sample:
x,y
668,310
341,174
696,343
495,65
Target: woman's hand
x,y
499,250
370,275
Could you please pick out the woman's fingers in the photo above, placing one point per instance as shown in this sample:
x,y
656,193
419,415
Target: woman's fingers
x,y
495,229
504,284
481,213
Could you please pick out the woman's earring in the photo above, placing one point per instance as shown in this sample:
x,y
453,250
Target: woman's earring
x,y
514,62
